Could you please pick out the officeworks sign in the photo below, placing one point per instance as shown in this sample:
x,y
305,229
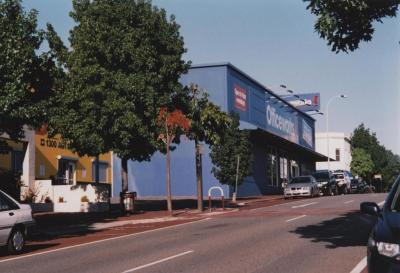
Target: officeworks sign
x,y
282,121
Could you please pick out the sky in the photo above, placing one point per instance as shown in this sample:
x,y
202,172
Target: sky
x,y
275,43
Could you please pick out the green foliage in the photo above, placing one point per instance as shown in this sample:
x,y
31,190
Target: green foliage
x,y
124,65
26,78
361,163
384,161
208,121
346,23
234,143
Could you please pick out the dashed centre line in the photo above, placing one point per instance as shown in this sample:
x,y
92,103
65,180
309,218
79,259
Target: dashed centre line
x,y
159,261
350,201
296,218
304,205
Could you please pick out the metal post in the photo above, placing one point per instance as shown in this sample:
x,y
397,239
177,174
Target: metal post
x,y
209,202
223,202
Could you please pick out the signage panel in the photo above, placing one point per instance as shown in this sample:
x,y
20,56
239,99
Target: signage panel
x,y
240,95
282,121
305,102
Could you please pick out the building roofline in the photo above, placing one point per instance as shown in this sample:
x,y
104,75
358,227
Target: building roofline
x,y
228,64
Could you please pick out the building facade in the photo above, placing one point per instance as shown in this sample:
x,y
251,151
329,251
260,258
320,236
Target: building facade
x,y
283,140
339,149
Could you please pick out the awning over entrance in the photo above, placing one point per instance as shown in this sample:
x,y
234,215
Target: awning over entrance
x,y
302,152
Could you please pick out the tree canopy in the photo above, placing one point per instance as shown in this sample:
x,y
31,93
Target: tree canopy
x,y
123,66
361,163
27,78
234,142
346,23
385,162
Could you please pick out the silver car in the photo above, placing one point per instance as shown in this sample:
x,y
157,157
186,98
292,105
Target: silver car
x,y
15,223
301,186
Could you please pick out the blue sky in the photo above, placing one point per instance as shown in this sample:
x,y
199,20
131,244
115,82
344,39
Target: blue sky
x,y
275,43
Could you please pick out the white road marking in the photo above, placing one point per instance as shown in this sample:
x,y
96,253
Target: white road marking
x,y
159,261
381,203
295,218
350,201
304,205
282,204
99,241
360,266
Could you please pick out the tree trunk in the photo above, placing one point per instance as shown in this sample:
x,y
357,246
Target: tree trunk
x,y
199,176
169,199
124,174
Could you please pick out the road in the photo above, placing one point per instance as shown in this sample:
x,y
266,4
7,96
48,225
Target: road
x,y
325,234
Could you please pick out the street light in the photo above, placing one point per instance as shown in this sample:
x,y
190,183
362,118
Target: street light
x,y
327,124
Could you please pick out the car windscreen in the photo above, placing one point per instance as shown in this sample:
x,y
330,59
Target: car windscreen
x,y
339,176
300,179
321,175
394,197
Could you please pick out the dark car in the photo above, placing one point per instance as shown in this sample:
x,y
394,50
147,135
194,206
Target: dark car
x,y
326,182
383,250
354,186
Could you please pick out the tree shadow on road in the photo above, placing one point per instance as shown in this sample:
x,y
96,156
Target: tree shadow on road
x,y
350,229
28,249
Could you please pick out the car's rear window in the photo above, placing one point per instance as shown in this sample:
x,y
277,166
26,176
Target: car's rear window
x,y
339,176
300,179
319,175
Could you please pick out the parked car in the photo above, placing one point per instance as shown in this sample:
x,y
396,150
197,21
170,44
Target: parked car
x,y
383,249
301,186
343,181
326,182
354,186
16,222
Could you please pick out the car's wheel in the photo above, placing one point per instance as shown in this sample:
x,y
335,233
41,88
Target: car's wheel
x,y
16,241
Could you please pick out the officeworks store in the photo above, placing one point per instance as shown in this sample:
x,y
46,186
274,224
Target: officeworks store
x,y
283,140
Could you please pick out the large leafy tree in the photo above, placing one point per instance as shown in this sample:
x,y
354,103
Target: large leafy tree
x,y
27,78
346,23
208,125
224,155
361,163
123,66
384,161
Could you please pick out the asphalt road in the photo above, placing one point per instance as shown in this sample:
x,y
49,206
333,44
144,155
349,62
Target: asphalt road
x,y
325,234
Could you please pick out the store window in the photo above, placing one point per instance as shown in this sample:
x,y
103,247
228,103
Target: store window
x,y
283,170
17,160
272,167
66,172
337,154
103,166
294,168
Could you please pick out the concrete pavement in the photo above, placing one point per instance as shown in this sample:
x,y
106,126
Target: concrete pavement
x,y
325,234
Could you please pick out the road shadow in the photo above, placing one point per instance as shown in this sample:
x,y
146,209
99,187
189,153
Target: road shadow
x,y
350,229
29,248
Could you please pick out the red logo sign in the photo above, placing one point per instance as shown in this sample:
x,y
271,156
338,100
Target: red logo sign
x,y
240,98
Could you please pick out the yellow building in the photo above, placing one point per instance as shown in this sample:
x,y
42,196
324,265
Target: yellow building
x,y
11,155
54,161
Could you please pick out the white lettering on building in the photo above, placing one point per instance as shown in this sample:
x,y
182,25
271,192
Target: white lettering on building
x,y
279,122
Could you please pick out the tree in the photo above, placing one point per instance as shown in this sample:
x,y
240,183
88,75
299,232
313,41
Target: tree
x,y
234,143
361,164
344,24
208,124
172,125
124,65
27,78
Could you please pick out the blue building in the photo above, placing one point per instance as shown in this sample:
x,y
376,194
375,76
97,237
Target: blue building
x,y
283,140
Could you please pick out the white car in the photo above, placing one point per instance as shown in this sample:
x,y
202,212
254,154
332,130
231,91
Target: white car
x,y
16,222
301,186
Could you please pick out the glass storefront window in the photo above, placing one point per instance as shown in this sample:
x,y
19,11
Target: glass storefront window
x,y
272,167
66,172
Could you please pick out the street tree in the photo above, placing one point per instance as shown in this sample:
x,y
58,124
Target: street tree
x,y
208,125
123,66
344,24
27,78
172,125
234,144
361,164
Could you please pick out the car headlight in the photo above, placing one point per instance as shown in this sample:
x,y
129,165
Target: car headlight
x,y
387,249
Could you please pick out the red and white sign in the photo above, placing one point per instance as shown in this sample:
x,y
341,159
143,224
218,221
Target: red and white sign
x,y
240,96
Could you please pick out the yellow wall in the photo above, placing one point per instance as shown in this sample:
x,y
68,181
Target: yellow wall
x,y
48,150
5,158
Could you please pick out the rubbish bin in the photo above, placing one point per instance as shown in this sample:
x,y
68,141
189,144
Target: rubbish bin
x,y
127,202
